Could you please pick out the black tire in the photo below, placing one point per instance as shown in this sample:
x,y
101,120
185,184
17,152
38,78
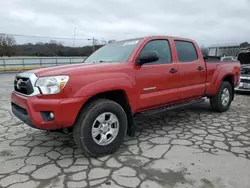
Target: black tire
x,y
83,126
216,101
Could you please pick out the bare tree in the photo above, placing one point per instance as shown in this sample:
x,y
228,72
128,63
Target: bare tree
x,y
7,44
204,50
54,47
10,43
1,45
111,41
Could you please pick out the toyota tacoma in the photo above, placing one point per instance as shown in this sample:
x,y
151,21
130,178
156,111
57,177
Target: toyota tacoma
x,y
98,99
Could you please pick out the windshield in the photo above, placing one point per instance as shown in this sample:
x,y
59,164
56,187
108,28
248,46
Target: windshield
x,y
115,52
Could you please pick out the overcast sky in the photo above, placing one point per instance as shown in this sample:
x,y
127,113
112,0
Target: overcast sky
x,y
207,21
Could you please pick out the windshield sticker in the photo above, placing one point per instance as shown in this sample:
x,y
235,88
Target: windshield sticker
x,y
131,42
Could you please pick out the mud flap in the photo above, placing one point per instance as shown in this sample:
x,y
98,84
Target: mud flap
x,y
131,126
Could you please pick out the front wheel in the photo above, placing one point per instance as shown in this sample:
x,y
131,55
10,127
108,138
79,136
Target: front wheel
x,y
100,128
221,102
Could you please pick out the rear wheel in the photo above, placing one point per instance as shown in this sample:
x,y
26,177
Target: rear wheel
x,y
221,102
100,128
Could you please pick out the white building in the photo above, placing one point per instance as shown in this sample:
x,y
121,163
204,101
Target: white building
x,y
220,50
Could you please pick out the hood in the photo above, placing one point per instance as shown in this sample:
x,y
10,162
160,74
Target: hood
x,y
244,58
77,69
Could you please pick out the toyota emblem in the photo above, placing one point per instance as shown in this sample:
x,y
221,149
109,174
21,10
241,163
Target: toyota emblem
x,y
18,83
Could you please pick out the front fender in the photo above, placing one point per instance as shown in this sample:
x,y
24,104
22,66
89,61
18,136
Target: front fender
x,y
110,84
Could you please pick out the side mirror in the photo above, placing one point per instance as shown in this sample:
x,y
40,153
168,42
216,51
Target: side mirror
x,y
147,57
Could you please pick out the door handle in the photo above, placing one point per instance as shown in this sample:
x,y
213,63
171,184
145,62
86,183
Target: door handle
x,y
200,68
173,71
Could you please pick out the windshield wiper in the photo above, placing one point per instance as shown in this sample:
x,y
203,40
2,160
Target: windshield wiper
x,y
101,61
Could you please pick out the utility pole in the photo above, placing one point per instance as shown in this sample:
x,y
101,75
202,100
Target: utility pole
x,y
74,37
218,49
93,43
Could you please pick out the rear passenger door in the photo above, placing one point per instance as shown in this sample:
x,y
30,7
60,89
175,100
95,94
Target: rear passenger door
x,y
192,70
156,81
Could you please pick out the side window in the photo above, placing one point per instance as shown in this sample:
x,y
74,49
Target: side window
x,y
162,48
186,51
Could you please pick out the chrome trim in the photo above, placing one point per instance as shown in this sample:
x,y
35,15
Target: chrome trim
x,y
237,89
19,82
149,88
241,89
245,77
33,78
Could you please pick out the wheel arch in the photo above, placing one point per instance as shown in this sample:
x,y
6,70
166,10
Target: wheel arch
x,y
119,96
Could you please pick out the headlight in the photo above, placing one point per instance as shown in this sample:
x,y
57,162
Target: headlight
x,y
51,85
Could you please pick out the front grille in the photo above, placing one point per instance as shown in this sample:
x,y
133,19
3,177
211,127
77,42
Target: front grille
x,y
245,71
244,80
23,85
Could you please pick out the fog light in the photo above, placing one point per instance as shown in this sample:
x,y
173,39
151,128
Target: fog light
x,y
51,115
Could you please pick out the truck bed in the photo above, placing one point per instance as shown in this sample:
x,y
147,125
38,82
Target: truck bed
x,y
217,68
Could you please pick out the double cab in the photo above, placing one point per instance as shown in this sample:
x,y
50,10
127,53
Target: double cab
x,y
98,99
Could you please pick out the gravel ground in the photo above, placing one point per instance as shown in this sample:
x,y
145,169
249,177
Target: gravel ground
x,y
192,147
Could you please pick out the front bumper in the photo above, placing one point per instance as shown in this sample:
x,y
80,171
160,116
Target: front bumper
x,y
243,87
30,110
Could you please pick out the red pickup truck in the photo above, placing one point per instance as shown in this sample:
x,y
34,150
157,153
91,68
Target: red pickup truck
x,y
98,99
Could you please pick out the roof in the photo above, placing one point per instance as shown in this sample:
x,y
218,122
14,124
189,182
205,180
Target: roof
x,y
155,36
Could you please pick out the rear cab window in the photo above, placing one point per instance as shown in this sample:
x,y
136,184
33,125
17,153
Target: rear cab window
x,y
186,51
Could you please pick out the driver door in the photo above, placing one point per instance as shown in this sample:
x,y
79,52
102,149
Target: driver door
x,y
156,81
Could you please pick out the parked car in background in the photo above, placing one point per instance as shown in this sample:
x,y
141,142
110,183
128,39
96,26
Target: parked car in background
x,y
244,58
227,58
99,98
